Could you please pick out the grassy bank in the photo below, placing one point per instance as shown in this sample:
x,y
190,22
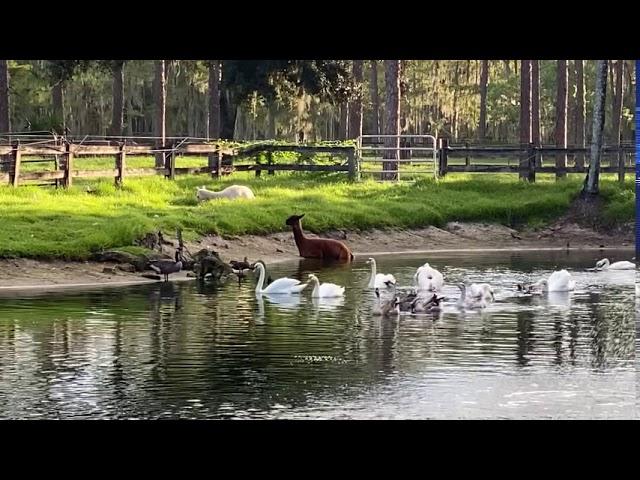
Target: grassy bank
x,y
44,222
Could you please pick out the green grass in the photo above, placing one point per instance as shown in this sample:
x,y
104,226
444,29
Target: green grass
x,y
45,222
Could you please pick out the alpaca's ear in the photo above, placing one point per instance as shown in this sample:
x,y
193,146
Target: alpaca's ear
x,y
300,216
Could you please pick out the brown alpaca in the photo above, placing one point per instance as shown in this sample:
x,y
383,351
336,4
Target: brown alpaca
x,y
324,248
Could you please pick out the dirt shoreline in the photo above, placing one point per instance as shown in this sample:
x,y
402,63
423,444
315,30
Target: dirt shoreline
x,y
22,274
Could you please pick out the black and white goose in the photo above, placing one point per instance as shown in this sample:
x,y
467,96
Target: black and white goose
x,y
167,267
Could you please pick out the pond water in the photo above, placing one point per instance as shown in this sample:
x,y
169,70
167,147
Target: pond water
x,y
181,350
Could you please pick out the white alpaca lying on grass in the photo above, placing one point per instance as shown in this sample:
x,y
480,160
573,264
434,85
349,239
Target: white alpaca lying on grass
x,y
232,192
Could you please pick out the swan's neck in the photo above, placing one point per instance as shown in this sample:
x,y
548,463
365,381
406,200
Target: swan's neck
x,y
316,287
260,284
373,273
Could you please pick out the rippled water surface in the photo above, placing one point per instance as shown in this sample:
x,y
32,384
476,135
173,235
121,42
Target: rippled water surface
x,y
181,350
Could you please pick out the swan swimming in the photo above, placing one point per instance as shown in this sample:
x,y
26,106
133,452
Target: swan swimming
x,y
559,281
280,286
379,280
471,301
428,278
388,307
326,289
604,264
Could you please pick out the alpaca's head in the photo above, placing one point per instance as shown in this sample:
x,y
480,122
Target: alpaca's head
x,y
199,191
293,219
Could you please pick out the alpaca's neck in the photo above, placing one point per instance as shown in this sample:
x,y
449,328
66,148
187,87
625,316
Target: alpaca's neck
x,y
298,236
216,194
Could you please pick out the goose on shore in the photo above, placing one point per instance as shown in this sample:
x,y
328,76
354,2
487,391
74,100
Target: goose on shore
x,y
167,267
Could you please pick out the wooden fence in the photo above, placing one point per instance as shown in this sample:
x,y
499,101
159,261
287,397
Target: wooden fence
x,y
530,159
220,160
223,160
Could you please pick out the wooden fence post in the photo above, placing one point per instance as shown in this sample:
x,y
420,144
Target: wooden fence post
x,y
68,165
270,162
443,160
15,165
620,165
532,157
523,162
218,165
170,163
352,162
467,159
121,164
258,171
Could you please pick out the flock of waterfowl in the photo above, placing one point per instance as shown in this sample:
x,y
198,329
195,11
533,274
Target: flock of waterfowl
x,y
424,296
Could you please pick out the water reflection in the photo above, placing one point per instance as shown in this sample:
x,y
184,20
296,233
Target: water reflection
x,y
194,350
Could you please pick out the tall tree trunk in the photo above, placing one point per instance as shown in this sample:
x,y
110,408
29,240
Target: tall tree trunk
x,y
5,126
355,109
580,111
214,99
454,120
525,111
375,97
535,102
160,106
117,119
618,93
591,182
484,81
57,94
271,121
4,97
392,117
571,104
228,113
343,132
561,117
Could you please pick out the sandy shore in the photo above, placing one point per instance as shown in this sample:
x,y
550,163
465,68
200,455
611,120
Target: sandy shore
x,y
34,274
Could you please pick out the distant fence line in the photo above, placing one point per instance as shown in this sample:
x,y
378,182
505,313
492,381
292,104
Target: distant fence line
x,y
221,159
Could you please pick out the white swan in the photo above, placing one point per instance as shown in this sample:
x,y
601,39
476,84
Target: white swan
x,y
470,301
427,278
326,289
559,281
484,290
379,280
388,307
280,286
623,265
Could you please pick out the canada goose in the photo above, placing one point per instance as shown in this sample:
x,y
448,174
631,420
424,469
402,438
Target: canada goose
x,y
241,268
426,305
166,267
